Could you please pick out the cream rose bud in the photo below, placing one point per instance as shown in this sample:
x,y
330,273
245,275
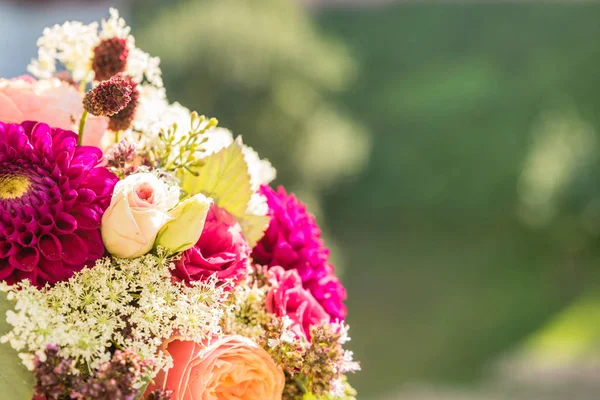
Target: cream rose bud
x,y
138,209
184,229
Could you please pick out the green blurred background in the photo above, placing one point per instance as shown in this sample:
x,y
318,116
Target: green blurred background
x,y
450,152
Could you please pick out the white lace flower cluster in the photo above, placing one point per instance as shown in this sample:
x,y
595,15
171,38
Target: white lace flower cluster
x,y
72,45
120,303
247,315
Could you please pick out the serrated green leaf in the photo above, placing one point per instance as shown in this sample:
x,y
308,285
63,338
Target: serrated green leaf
x,y
254,227
224,177
16,382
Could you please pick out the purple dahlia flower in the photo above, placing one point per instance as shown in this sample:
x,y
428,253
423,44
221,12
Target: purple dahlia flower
x,y
52,197
293,241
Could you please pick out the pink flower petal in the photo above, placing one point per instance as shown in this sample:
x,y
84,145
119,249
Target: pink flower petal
x,y
73,249
25,260
50,247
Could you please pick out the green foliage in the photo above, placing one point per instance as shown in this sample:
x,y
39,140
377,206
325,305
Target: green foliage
x,y
16,382
180,153
224,177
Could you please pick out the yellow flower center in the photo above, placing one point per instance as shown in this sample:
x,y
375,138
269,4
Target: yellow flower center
x,y
13,186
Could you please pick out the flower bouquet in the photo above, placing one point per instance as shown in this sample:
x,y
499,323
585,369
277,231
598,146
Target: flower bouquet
x,y
142,253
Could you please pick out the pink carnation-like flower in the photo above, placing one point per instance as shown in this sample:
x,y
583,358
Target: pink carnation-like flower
x,y
221,250
52,101
288,298
293,241
232,367
52,197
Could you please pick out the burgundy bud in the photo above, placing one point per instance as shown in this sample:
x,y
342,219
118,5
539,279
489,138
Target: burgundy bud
x,y
110,58
108,97
124,118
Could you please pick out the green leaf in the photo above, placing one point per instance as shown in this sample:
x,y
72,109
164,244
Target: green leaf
x,y
16,382
224,177
254,227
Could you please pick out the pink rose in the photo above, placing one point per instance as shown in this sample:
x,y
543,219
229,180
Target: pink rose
x,y
288,298
232,367
138,209
221,250
54,102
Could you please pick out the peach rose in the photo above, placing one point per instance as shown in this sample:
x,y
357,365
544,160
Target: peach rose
x,y
231,368
54,102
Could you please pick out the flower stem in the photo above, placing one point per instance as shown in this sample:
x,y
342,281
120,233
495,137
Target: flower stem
x,y
82,86
84,117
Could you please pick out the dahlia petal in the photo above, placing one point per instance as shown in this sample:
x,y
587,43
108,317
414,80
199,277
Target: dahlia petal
x,y
8,248
86,157
69,199
46,223
25,260
85,196
62,160
5,269
101,181
75,173
86,218
72,249
65,223
16,138
27,238
53,270
285,253
50,247
55,204
42,141
93,242
64,142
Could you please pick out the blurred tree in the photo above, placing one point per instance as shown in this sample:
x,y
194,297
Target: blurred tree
x,y
476,219
267,73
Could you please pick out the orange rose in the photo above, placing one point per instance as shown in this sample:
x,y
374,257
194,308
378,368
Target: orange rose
x,y
51,101
232,367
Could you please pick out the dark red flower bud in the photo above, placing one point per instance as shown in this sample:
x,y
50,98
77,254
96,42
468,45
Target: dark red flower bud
x,y
110,58
108,97
124,118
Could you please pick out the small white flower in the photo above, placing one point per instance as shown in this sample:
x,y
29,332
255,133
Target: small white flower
x,y
85,327
71,44
115,26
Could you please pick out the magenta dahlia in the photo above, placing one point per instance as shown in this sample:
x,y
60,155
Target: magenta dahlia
x,y
293,241
52,197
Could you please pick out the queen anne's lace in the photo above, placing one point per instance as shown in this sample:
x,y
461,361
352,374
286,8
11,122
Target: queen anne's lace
x,y
118,303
